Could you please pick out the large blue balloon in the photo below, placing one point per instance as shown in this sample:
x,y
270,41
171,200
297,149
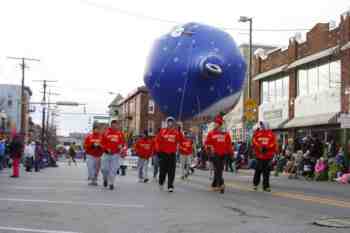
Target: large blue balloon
x,y
195,71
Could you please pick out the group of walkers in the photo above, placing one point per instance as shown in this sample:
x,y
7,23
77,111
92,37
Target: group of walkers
x,y
106,148
33,155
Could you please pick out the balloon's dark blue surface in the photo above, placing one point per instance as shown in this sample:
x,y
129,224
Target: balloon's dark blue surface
x,y
195,71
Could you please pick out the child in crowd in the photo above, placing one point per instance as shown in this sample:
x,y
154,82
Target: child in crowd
x,y
321,170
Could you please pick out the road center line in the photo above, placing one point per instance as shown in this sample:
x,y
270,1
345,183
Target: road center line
x,y
32,230
73,203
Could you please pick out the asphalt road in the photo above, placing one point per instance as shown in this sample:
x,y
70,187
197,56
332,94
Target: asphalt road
x,y
58,200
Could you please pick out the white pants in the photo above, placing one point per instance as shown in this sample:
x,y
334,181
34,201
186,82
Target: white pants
x,y
142,165
93,165
185,161
109,167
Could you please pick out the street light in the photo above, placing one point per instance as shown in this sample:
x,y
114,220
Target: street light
x,y
245,19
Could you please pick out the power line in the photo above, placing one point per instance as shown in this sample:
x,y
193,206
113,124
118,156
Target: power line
x,y
138,15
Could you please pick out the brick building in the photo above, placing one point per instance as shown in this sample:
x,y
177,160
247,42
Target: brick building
x,y
139,112
302,89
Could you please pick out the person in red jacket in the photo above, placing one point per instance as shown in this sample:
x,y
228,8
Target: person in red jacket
x,y
94,151
16,151
144,148
186,153
264,144
167,141
113,143
219,144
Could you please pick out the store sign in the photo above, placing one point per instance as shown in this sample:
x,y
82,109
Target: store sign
x,y
273,115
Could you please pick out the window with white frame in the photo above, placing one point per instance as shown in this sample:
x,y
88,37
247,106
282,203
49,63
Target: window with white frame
x,y
275,90
150,127
319,78
151,107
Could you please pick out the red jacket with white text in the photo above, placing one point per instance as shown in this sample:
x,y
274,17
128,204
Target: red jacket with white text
x,y
144,148
219,142
113,141
264,144
168,139
93,144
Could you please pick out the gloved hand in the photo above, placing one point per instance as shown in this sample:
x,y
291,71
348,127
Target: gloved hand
x,y
264,150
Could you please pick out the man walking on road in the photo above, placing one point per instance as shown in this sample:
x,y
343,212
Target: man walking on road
x,y
72,153
144,148
94,151
219,144
167,141
186,152
113,143
265,147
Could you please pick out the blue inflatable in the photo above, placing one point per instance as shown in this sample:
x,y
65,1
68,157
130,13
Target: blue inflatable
x,y
195,71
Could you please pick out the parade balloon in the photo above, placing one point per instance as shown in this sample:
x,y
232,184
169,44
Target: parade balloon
x,y
195,71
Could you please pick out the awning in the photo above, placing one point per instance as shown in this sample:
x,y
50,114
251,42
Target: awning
x,y
313,57
270,72
277,124
321,119
346,46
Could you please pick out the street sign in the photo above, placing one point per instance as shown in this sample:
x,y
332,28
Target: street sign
x,y
250,110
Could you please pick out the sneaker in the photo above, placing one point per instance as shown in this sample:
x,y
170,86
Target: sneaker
x,y
94,183
222,188
170,190
105,183
267,189
146,180
14,176
111,187
255,188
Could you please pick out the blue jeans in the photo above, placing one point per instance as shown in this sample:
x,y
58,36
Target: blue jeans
x,y
93,166
109,167
142,166
155,166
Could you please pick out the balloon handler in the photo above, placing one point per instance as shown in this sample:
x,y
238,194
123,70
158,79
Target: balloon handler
x,y
264,144
219,144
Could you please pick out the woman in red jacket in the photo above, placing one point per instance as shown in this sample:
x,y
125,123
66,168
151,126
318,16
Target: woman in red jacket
x,y
94,151
114,144
167,141
219,143
144,148
265,147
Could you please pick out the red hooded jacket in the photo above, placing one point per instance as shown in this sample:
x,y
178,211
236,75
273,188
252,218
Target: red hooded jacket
x,y
186,147
93,144
113,141
168,139
219,142
264,144
144,148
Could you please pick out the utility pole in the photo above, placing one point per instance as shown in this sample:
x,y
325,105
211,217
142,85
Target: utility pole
x,y
48,112
44,107
23,109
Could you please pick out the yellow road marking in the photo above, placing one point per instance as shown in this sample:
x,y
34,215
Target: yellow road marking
x,y
297,196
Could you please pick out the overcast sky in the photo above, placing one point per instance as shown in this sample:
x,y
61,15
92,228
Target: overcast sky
x,y
93,47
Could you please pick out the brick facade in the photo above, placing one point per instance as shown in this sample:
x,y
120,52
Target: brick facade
x,y
318,39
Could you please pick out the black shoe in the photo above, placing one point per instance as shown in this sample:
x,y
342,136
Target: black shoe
x,y
14,176
111,187
105,183
146,180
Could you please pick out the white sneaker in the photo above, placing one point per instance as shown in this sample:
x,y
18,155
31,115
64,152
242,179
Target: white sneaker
x,y
170,190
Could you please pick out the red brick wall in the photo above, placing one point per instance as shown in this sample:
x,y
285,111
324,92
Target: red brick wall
x,y
318,38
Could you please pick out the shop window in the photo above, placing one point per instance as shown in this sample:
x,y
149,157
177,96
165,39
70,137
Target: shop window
x,y
150,127
323,72
151,107
335,74
313,80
